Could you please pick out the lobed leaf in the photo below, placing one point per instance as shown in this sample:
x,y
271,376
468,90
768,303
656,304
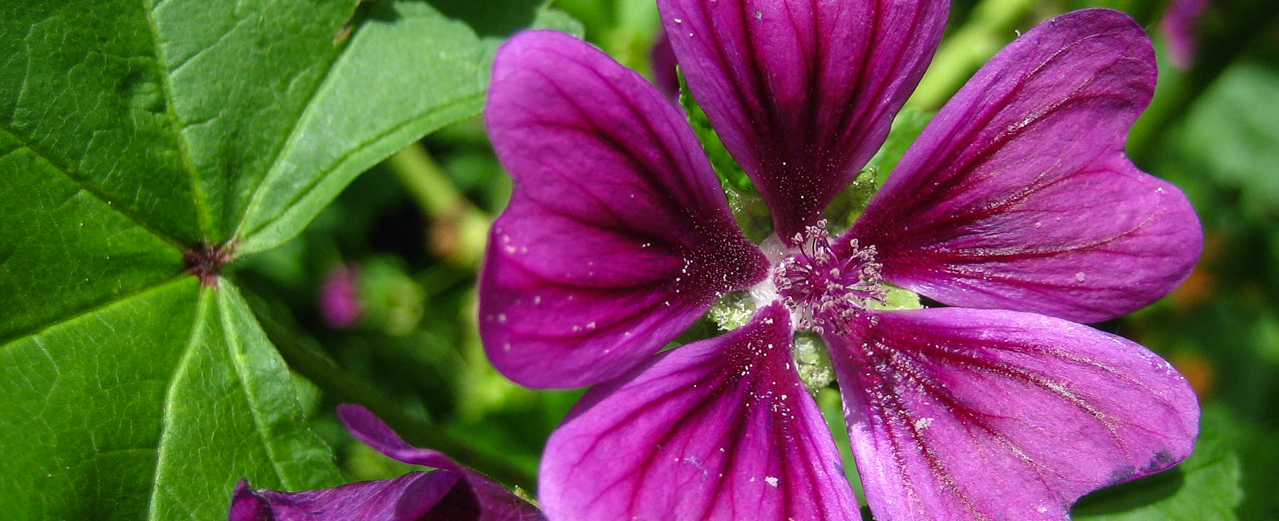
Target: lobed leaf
x,y
134,134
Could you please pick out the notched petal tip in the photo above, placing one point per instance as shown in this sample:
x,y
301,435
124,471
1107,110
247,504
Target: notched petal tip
x,y
960,413
1018,195
618,234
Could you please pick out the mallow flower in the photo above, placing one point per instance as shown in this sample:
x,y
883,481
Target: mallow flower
x,y
1180,28
450,492
340,303
1016,209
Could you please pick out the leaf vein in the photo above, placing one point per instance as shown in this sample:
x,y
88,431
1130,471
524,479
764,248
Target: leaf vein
x,y
6,343
339,160
203,215
91,190
271,171
235,350
202,309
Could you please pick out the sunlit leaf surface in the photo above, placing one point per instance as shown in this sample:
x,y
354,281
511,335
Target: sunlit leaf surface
x,y
133,134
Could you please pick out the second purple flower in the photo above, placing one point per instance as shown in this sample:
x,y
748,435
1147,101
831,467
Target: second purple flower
x,y
1016,206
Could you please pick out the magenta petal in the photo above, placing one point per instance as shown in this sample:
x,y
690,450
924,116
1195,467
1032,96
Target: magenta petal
x,y
372,431
720,429
1179,25
412,497
618,235
989,414
1018,194
665,73
491,501
449,493
802,92
340,304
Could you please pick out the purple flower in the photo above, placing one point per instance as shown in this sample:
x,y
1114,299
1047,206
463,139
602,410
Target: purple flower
x,y
662,56
451,492
1016,206
340,297
1179,25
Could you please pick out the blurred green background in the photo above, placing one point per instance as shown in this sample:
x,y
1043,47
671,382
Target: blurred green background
x,y
403,244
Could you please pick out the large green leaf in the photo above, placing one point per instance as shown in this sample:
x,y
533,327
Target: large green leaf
x,y
408,72
135,135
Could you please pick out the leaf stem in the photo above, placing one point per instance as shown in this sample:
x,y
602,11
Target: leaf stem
x,y
312,364
459,231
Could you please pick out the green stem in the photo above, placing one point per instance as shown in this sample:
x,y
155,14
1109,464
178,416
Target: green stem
x,y
328,376
428,184
989,29
460,232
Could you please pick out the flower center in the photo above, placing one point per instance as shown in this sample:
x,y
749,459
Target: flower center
x,y
826,286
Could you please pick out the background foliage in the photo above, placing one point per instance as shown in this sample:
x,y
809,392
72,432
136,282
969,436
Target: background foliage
x,y
137,138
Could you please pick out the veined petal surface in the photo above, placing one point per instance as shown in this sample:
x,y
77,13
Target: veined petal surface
x,y
958,414
407,498
802,92
451,492
618,235
1018,194
476,497
717,430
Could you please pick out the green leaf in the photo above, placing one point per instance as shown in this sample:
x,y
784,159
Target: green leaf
x,y
65,247
135,135
557,20
1205,486
79,406
1230,135
155,403
230,379
405,73
492,17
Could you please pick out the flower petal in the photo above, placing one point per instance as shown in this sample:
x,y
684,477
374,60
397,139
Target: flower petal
x,y
412,497
618,235
449,493
476,493
802,92
989,414
1018,194
665,74
720,429
1180,26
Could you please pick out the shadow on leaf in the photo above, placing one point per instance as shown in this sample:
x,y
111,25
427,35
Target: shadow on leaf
x,y
1131,495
